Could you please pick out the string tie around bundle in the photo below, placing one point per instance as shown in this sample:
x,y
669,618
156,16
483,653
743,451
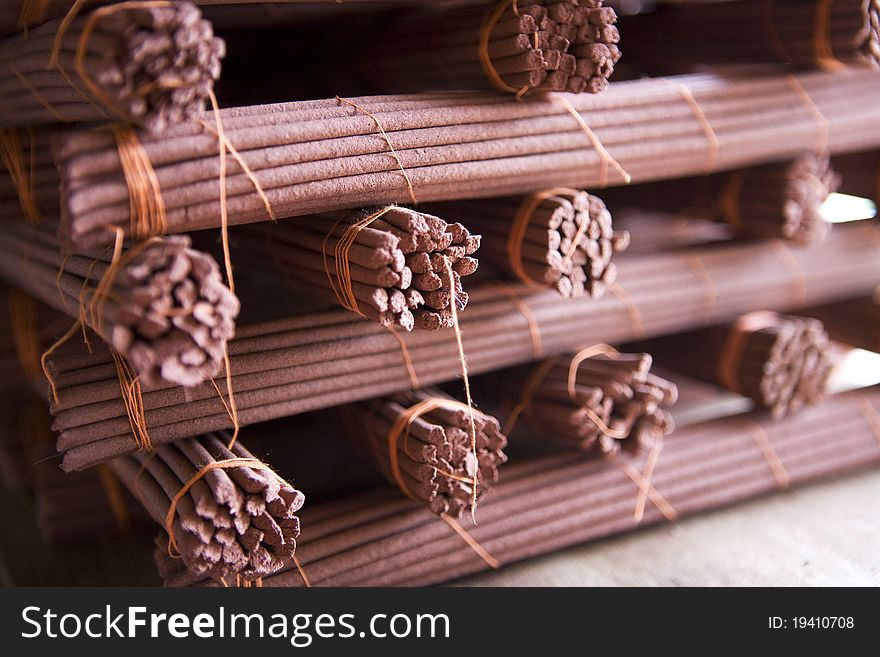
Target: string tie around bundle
x,y
21,175
728,202
399,433
472,543
407,359
146,205
391,149
25,335
32,13
769,16
540,374
822,46
713,143
520,227
484,37
225,464
647,475
342,287
605,159
799,282
822,126
632,309
732,352
133,401
532,321
710,294
871,415
777,467
647,489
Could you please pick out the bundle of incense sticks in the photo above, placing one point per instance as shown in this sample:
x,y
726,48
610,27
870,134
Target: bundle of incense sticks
x,y
160,305
800,32
854,322
71,507
655,231
860,174
228,514
559,238
317,156
780,361
389,265
150,63
422,442
328,358
603,402
782,200
552,502
518,47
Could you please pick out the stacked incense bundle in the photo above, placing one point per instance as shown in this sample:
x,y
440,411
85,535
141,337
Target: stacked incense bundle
x,y
802,32
854,322
160,305
422,442
317,156
599,400
395,266
860,174
521,46
71,507
324,359
782,200
552,502
227,514
560,238
148,63
779,361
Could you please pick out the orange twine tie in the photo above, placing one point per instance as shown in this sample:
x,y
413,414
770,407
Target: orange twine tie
x,y
714,145
632,309
647,475
822,37
822,126
756,431
605,159
485,36
646,488
343,288
872,416
472,543
400,431
21,176
407,360
146,205
251,463
531,320
518,230
391,149
734,347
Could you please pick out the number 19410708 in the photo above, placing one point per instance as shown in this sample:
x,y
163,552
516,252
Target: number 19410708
x,y
811,623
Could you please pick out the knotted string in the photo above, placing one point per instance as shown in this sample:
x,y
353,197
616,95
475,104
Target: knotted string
x,y
343,287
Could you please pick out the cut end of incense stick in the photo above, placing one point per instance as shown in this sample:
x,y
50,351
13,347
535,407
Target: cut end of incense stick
x,y
557,46
176,313
164,66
